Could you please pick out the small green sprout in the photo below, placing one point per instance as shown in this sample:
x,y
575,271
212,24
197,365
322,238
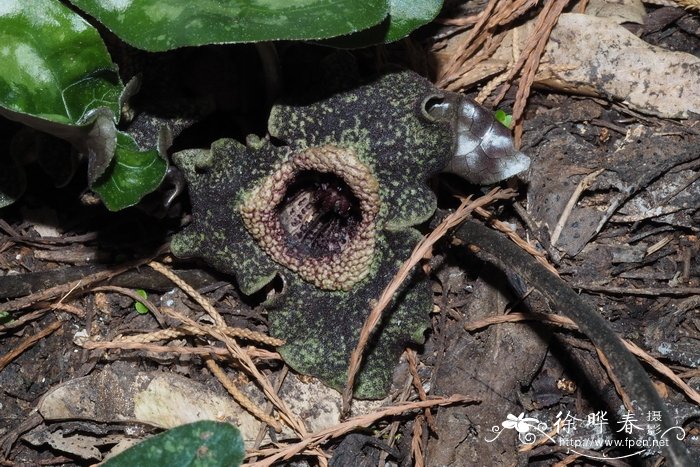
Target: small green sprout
x,y
140,307
5,317
504,118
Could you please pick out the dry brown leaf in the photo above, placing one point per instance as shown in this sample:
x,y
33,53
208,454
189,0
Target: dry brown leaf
x,y
167,400
605,59
85,446
593,56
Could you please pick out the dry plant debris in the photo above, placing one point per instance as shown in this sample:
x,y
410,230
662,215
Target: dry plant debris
x,y
420,251
563,321
274,455
689,4
587,55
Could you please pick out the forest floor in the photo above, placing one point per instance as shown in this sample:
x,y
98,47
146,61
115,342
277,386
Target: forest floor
x,y
611,200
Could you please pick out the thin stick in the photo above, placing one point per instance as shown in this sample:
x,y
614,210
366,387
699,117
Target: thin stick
x,y
240,397
50,293
563,321
417,442
27,342
174,333
586,182
545,23
177,349
482,20
287,416
268,407
413,368
134,296
513,235
653,291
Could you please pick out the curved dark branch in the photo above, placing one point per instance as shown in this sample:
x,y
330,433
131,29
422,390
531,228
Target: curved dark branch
x,y
498,250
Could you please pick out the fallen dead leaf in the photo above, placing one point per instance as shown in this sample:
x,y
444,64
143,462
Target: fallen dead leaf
x,y
166,400
595,56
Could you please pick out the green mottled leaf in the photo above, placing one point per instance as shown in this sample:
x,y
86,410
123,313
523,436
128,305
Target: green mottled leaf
x,y
408,15
158,25
56,76
405,16
133,174
53,64
198,444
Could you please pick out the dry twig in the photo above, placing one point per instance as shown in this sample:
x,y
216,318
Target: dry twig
x,y
423,247
652,291
513,235
586,182
413,368
174,333
231,345
480,43
240,397
53,292
27,342
529,61
287,416
417,442
569,324
340,429
177,349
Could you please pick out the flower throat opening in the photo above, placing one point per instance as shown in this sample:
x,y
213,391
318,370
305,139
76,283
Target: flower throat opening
x,y
319,213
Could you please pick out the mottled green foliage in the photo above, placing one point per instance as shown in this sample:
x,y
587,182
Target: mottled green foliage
x,y
56,76
404,17
132,173
53,64
158,25
407,15
384,124
140,307
504,118
199,444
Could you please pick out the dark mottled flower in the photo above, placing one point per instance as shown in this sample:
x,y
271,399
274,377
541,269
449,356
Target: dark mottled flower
x,y
330,211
